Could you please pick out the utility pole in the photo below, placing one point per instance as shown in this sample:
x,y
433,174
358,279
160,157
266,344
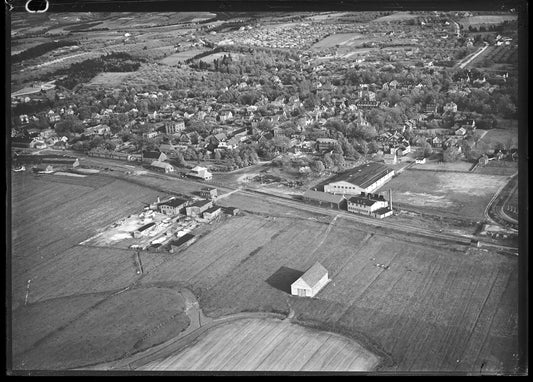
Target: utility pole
x,y
27,292
141,271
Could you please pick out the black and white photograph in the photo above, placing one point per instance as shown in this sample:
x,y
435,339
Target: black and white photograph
x,y
222,189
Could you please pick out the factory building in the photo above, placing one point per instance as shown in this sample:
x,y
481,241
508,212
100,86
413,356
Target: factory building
x,y
365,178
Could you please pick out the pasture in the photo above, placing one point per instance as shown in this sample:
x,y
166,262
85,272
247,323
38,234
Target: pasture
x,y
507,136
458,194
269,344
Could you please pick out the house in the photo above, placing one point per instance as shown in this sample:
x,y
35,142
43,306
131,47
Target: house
x,y
183,241
363,104
150,156
172,206
311,282
208,192
420,160
460,132
430,108
150,134
436,141
450,107
162,166
212,213
200,172
225,115
325,144
324,198
198,207
366,204
364,178
173,127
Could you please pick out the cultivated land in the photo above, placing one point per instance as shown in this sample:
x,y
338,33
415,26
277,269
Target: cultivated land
x,y
460,194
267,344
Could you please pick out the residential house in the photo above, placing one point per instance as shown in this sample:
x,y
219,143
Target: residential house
x,y
325,144
450,107
200,172
150,156
162,166
173,127
366,203
209,192
460,131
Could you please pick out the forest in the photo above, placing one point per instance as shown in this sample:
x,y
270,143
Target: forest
x,y
40,49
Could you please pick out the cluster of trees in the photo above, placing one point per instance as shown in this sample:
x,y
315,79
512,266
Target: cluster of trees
x,y
40,49
84,71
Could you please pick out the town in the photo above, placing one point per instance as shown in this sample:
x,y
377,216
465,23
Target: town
x,y
274,168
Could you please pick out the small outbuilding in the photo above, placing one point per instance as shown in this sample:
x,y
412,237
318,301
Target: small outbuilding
x,y
311,282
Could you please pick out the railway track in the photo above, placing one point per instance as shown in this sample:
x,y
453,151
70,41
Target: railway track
x,y
495,210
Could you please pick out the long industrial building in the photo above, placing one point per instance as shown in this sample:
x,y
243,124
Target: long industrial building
x,y
365,178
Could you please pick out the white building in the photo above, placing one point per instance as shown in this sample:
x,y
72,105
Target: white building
x,y
365,178
311,282
163,166
200,172
369,204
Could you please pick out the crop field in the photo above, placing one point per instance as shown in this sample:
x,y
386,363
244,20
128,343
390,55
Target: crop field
x,y
269,344
110,79
486,19
180,56
451,193
432,309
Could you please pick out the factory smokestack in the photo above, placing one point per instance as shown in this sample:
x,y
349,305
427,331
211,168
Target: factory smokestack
x,y
390,198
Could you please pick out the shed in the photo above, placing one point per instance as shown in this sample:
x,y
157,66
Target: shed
x,y
311,282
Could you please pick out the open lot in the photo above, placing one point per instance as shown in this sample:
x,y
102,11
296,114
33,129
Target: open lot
x,y
110,79
444,166
450,193
269,344
495,167
506,136
336,39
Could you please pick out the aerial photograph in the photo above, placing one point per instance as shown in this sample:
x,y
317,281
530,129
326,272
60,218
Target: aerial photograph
x,y
264,192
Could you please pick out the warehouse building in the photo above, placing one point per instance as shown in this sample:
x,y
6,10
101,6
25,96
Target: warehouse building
x,y
311,282
172,206
323,198
366,178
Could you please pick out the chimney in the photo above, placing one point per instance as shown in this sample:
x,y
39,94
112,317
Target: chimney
x,y
158,200
390,198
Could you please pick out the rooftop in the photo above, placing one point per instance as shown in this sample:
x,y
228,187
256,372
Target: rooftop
x,y
176,202
362,176
314,274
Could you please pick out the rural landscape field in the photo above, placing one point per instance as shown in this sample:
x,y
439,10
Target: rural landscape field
x,y
255,192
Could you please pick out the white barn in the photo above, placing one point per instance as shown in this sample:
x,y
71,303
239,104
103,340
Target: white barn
x,y
311,282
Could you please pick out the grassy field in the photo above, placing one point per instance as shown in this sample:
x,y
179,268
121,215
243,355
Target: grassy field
x,y
262,345
180,56
431,308
87,329
397,16
486,19
336,39
453,193
501,168
444,166
110,79
503,136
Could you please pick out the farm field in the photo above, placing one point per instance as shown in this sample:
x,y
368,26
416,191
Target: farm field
x,y
503,136
430,308
502,168
453,193
269,344
180,56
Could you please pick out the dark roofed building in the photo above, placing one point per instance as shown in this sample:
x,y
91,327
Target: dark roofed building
x,y
365,178
172,206
366,204
333,201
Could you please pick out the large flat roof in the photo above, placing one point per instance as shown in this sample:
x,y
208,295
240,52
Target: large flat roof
x,y
323,196
362,176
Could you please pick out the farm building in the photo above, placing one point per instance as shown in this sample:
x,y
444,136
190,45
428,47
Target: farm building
x,y
365,178
150,156
162,166
311,282
139,231
208,192
172,206
231,210
198,207
200,172
185,240
333,201
212,212
420,160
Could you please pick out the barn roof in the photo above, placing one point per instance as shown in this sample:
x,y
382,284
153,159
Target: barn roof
x,y
176,202
362,176
314,274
